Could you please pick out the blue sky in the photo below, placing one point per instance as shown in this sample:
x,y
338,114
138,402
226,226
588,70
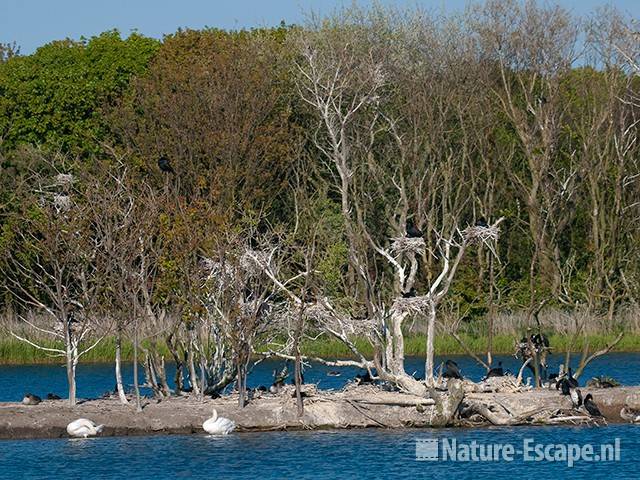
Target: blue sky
x,y
32,23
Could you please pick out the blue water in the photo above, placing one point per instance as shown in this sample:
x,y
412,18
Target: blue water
x,y
343,454
95,379
373,453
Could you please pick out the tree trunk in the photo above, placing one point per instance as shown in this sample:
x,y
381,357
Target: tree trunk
x,y
71,378
119,386
193,376
241,384
71,362
431,331
136,383
297,375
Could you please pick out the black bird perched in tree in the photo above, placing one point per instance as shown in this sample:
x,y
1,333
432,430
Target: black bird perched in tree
x,y
482,222
410,294
495,371
451,370
413,231
540,340
591,407
164,165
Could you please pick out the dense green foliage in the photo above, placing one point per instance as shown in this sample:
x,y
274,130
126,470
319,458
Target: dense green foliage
x,y
457,130
54,97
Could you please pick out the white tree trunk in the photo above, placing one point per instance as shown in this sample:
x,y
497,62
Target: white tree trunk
x,y
431,331
71,376
119,386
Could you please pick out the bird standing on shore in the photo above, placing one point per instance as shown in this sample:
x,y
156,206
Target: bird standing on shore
x,y
31,399
451,370
576,397
591,406
495,371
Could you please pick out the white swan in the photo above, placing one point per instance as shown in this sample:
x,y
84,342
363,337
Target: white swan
x,y
218,425
83,428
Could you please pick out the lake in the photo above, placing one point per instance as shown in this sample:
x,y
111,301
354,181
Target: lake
x,y
94,379
372,453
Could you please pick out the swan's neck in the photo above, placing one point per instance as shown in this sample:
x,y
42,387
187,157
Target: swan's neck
x,y
214,417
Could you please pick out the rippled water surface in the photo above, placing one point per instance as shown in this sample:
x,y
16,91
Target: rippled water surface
x,y
373,453
95,379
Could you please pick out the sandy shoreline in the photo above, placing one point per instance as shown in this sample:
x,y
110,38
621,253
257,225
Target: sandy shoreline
x,y
360,407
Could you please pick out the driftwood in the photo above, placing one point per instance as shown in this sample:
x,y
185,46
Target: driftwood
x,y
355,407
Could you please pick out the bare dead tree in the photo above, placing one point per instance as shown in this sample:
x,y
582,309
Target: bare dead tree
x,y
54,273
534,48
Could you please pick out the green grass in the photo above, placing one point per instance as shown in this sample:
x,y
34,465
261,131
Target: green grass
x,y
13,351
16,352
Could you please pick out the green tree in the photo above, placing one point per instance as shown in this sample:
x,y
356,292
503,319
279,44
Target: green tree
x,y
54,97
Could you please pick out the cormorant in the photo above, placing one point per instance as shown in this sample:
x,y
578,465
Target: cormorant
x,y
591,407
451,370
495,371
410,294
364,379
164,165
540,340
334,373
31,399
279,378
276,387
564,385
413,231
52,396
603,382
576,397
481,222
573,383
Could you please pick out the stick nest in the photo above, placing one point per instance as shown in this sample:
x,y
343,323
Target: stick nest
x,y
478,234
412,305
405,245
64,179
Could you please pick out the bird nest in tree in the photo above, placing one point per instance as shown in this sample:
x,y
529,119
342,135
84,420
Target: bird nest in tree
x,y
318,313
408,245
479,234
325,318
63,179
253,262
416,305
61,203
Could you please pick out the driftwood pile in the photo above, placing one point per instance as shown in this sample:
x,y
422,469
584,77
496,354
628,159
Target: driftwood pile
x,y
496,401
